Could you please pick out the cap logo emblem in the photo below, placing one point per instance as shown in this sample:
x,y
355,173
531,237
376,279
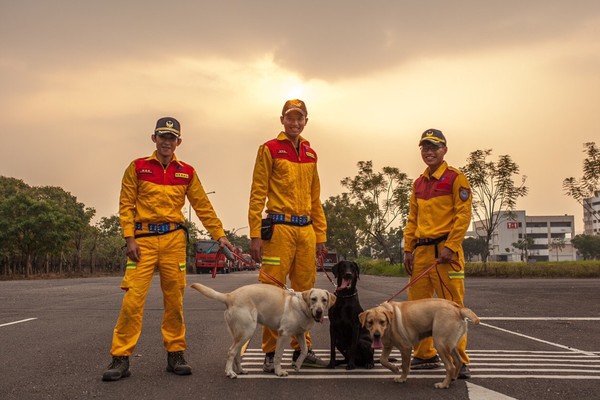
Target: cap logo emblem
x,y
169,124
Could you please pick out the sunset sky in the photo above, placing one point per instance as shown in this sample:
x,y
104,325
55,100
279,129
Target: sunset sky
x,y
82,84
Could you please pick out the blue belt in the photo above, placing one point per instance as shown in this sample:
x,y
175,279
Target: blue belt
x,y
295,220
158,228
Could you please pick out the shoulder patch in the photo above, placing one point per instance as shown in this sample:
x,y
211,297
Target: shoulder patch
x,y
464,193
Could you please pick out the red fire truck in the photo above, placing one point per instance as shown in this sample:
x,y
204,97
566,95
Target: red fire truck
x,y
208,256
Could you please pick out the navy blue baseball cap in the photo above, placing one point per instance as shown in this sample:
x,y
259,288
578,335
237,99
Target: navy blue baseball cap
x,y
434,136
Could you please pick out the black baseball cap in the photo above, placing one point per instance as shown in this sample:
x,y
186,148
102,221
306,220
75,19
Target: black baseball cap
x,y
168,125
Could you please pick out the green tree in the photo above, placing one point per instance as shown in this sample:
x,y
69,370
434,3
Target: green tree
x,y
494,191
474,247
557,244
588,246
35,228
74,218
345,223
524,245
584,188
383,198
106,249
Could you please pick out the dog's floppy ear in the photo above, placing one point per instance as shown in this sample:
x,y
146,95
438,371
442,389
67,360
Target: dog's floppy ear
x,y
335,269
388,311
331,299
362,317
306,296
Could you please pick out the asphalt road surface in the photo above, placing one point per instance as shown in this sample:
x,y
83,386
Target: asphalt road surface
x,y
539,339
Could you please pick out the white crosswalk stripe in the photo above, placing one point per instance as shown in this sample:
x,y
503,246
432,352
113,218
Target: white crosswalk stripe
x,y
487,364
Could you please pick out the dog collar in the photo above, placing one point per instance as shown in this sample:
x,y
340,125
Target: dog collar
x,y
345,296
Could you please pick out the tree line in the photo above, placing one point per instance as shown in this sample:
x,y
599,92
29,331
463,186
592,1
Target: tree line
x,y
47,231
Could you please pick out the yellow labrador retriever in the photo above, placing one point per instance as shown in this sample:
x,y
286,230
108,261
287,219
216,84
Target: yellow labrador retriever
x,y
403,324
289,313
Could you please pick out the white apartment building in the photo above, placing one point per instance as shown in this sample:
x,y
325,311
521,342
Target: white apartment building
x,y
543,230
591,215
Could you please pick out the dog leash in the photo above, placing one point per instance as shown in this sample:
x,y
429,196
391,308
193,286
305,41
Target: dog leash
x,y
282,285
452,263
320,264
232,256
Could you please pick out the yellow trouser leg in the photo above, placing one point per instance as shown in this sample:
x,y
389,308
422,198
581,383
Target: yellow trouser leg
x,y
291,251
171,266
168,253
451,287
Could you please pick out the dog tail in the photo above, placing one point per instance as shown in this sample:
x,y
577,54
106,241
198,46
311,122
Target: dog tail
x,y
210,293
467,313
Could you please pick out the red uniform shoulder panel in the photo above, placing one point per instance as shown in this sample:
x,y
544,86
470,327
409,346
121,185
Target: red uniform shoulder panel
x,y
150,170
427,188
283,149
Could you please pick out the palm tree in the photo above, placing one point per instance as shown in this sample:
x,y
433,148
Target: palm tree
x,y
557,244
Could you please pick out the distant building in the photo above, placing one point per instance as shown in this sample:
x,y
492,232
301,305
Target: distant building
x,y
591,215
543,231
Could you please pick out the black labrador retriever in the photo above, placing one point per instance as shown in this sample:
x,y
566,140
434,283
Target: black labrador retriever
x,y
345,331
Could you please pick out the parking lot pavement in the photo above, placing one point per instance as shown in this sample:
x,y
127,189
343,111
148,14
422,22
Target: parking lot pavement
x,y
537,339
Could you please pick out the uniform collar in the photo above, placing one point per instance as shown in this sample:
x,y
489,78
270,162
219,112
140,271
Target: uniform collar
x,y
438,172
155,157
282,136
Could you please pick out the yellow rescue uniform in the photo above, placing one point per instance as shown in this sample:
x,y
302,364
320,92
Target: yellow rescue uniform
x,y
151,200
287,179
440,215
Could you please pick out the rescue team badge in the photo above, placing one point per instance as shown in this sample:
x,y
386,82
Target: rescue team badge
x,y
464,193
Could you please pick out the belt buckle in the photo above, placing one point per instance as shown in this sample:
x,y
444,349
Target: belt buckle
x,y
299,220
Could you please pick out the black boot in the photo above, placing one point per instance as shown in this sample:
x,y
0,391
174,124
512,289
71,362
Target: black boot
x,y
118,368
176,363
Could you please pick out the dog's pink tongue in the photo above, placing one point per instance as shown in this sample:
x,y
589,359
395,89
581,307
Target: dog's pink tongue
x,y
377,343
345,284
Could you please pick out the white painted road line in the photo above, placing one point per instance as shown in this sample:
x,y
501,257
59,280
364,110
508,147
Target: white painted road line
x,y
485,364
17,322
538,340
477,392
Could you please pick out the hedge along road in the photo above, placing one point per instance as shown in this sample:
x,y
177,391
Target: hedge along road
x,y
538,339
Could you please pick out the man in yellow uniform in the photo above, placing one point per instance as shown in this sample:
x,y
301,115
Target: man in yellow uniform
x,y
153,193
285,176
440,214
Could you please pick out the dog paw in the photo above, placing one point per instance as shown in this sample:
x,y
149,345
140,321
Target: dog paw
x,y
441,385
231,374
399,379
282,373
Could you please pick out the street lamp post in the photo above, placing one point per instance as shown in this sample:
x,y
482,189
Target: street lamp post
x,y
237,229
